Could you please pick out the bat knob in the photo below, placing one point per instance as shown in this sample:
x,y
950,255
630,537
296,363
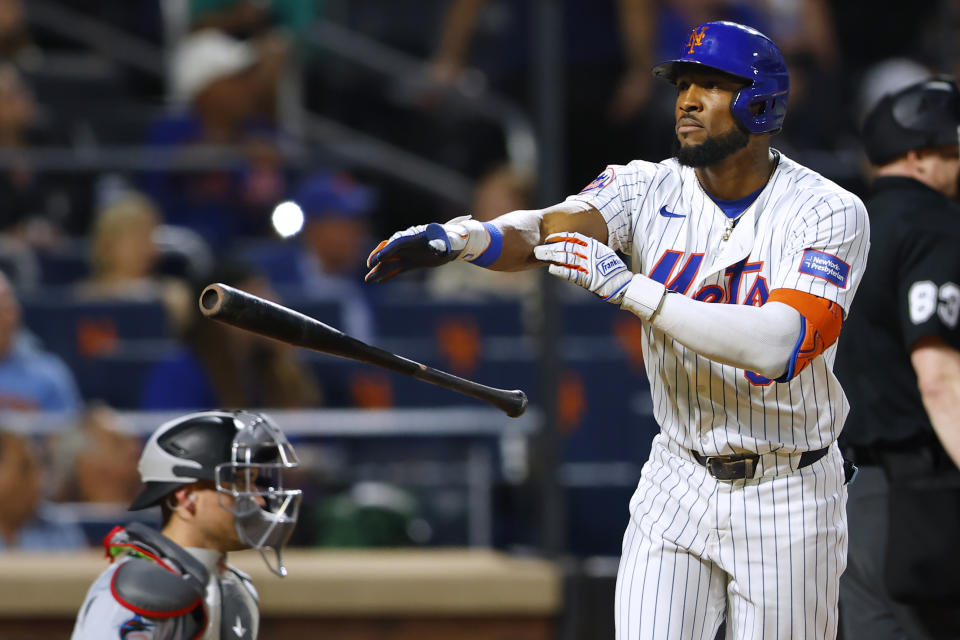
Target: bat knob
x,y
517,405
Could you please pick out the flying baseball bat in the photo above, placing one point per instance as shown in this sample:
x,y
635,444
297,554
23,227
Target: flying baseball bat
x,y
247,311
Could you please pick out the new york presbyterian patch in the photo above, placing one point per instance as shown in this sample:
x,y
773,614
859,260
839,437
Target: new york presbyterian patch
x,y
600,182
825,266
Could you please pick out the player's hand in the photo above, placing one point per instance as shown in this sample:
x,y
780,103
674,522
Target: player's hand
x,y
586,262
425,245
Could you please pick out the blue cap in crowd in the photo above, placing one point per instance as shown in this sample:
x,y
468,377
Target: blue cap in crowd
x,y
333,195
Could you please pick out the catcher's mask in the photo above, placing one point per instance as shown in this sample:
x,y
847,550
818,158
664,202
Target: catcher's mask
x,y
245,454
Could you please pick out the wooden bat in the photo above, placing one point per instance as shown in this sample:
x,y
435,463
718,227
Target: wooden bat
x,y
246,311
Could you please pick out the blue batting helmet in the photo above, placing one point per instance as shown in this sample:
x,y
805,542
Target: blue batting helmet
x,y
747,54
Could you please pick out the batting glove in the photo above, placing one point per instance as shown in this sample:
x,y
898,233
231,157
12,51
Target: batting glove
x,y
586,262
427,245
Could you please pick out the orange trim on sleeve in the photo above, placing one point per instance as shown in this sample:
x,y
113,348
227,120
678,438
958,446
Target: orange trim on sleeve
x,y
824,319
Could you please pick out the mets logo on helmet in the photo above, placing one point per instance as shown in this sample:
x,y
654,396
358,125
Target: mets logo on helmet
x,y
696,39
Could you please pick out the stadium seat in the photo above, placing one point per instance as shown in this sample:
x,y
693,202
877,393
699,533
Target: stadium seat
x,y
78,330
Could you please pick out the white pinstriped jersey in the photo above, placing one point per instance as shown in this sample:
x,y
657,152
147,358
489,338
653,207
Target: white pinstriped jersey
x,y
802,232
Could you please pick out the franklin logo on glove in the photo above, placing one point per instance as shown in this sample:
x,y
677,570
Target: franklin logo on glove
x,y
610,265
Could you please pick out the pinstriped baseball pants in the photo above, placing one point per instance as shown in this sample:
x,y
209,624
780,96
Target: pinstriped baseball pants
x,y
766,553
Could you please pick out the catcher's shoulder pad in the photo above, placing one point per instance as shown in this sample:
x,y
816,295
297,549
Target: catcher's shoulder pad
x,y
153,590
156,577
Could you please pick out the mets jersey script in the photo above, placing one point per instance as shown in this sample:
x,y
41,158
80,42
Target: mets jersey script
x,y
764,553
802,232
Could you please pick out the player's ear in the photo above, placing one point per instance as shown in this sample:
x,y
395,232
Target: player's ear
x,y
914,159
185,498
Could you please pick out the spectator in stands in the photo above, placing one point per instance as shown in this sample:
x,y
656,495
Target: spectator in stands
x,y
246,18
27,522
499,191
97,461
124,255
35,204
607,75
221,366
16,45
228,87
333,242
30,378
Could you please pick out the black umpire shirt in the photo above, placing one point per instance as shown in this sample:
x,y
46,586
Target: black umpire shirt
x,y
910,290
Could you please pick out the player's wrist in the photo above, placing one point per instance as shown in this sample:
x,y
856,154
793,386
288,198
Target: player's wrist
x,y
474,241
643,297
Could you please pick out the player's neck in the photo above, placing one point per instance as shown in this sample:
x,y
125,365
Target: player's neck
x,y
740,174
189,536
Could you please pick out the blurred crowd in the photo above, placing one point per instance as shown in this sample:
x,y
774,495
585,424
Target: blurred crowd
x,y
148,148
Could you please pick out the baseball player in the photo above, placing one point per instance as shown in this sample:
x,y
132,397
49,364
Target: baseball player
x,y
743,266
218,477
903,427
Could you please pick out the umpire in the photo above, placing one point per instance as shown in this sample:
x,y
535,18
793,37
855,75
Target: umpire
x,y
899,362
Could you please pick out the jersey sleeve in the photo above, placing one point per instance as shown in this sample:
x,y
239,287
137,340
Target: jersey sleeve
x,y
617,193
928,294
825,252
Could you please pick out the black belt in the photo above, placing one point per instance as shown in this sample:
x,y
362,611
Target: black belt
x,y
741,466
907,459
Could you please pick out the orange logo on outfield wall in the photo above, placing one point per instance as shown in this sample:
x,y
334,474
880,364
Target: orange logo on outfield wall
x,y
460,343
696,39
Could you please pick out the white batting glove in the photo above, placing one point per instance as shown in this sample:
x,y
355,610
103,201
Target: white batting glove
x,y
586,262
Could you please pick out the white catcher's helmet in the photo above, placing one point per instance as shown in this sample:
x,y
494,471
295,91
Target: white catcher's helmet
x,y
245,454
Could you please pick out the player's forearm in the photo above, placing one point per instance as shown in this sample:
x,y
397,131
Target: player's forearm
x,y
523,230
938,377
521,233
759,339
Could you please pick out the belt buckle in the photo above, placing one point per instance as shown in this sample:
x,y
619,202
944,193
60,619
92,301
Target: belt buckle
x,y
741,467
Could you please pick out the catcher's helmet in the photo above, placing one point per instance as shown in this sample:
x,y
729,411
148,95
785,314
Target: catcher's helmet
x,y
924,115
244,454
747,54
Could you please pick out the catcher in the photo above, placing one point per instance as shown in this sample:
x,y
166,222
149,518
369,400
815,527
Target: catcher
x,y
218,479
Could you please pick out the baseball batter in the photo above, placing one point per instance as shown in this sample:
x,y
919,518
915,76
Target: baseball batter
x,y
744,265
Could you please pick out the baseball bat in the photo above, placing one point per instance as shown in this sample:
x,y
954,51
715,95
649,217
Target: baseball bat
x,y
247,311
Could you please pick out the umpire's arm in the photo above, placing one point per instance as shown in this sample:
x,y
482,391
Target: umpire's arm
x,y
937,365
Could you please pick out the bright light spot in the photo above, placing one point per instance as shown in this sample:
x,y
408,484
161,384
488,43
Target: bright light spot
x,y
287,219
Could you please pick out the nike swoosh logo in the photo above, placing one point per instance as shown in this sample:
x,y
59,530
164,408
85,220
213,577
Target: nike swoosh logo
x,y
668,214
